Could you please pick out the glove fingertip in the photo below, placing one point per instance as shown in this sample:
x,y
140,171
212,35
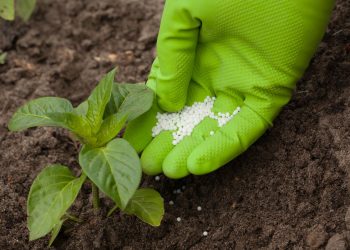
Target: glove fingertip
x,y
151,164
198,165
138,143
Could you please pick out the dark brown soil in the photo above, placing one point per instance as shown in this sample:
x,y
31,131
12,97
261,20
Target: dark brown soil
x,y
288,191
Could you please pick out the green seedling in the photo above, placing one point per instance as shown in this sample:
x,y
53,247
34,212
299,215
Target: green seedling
x,y
23,8
3,57
7,9
110,163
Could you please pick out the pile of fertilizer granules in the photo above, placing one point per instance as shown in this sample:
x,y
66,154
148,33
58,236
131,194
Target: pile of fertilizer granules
x,y
183,122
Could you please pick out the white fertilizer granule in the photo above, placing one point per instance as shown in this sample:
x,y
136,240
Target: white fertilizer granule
x,y
183,122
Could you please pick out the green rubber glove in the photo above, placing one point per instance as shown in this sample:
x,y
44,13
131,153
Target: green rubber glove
x,y
247,53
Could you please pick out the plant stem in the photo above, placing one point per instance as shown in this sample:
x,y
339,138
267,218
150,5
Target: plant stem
x,y
95,196
73,218
112,210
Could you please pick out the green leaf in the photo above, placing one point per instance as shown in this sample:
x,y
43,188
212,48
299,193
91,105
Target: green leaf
x,y
98,100
130,99
3,57
115,169
77,124
82,108
35,113
55,231
110,129
52,111
7,9
25,8
147,205
52,193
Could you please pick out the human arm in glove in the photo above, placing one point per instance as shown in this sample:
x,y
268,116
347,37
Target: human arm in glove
x,y
246,53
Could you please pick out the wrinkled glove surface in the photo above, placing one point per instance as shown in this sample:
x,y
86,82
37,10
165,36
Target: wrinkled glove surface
x,y
247,53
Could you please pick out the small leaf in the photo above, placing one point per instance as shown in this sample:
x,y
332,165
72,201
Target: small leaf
x,y
55,231
98,100
77,124
35,113
115,169
130,99
82,108
25,8
3,57
147,205
52,193
7,9
110,129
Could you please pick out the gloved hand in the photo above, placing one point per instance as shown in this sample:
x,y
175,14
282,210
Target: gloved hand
x,y
247,53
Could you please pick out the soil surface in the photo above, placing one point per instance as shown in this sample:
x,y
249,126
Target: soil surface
x,y
290,190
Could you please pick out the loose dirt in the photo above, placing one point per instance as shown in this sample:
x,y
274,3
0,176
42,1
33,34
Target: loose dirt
x,y
290,190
